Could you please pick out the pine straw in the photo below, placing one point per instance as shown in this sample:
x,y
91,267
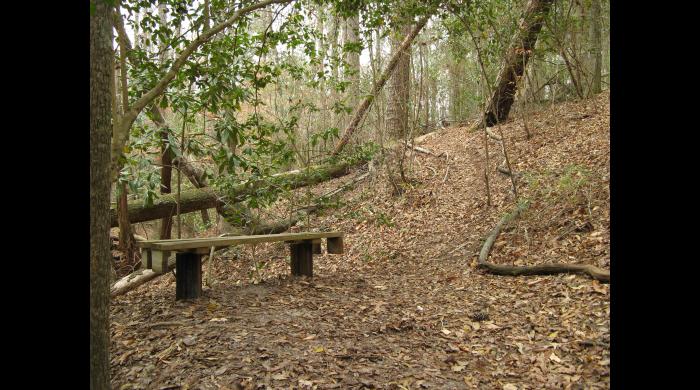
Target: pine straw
x,y
395,310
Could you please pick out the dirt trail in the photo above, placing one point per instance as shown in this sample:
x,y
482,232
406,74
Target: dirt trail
x,y
396,310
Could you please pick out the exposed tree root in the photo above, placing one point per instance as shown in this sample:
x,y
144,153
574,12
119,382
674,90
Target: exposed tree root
x,y
542,269
504,171
599,274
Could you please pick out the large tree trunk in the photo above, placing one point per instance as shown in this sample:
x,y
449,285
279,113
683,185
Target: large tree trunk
x,y
361,110
515,62
200,199
101,79
399,86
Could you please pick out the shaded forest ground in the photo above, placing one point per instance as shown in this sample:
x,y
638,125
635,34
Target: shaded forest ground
x,y
397,309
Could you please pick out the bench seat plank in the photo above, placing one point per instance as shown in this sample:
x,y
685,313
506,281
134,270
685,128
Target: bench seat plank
x,y
195,243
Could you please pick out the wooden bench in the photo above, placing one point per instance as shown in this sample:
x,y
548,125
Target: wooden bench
x,y
188,255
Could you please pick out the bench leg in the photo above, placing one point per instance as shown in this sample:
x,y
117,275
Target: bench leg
x,y
317,246
188,279
335,245
301,254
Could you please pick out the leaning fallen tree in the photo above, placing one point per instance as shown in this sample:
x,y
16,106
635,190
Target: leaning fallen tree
x,y
206,198
541,269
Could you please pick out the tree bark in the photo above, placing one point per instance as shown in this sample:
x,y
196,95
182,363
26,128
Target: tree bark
x,y
515,62
200,199
352,59
399,87
360,110
126,238
596,49
101,80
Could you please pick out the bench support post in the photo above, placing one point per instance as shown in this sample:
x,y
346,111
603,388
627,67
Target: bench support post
x,y
188,279
335,245
317,246
301,254
146,261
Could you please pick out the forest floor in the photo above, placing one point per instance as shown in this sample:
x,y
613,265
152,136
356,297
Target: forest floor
x,y
396,310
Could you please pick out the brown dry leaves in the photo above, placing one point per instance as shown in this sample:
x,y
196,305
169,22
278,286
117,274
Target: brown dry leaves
x,y
395,311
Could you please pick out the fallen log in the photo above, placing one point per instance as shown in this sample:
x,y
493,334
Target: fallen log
x,y
166,205
492,135
424,137
542,269
422,150
206,198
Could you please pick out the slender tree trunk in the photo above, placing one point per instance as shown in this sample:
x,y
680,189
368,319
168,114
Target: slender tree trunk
x,y
454,90
335,67
166,155
166,173
321,118
126,238
515,62
101,81
376,63
352,70
596,49
207,15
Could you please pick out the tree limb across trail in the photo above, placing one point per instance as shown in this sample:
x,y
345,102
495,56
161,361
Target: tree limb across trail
x,y
542,269
207,198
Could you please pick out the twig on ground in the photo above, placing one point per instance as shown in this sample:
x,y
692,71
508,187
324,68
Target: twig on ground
x,y
447,167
